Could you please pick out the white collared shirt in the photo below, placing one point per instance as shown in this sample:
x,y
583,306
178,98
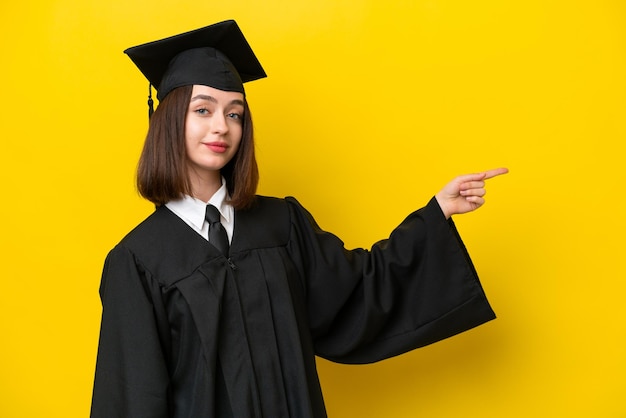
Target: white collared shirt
x,y
192,210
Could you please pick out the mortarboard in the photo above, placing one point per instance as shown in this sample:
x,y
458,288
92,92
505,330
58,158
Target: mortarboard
x,y
217,56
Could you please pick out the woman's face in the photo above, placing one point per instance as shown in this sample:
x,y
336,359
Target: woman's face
x,y
213,128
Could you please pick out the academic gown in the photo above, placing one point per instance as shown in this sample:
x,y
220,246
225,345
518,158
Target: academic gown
x,y
187,332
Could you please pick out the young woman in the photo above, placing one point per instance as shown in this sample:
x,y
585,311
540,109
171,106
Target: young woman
x,y
224,318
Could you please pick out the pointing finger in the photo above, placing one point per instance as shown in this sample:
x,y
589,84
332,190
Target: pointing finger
x,y
495,172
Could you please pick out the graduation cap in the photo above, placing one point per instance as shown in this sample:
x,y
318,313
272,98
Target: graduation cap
x,y
217,56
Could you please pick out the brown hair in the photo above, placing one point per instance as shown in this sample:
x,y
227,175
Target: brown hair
x,y
162,170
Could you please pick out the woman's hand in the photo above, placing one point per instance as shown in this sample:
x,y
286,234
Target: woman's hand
x,y
465,193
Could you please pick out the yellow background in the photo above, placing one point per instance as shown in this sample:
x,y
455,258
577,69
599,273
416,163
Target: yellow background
x,y
369,108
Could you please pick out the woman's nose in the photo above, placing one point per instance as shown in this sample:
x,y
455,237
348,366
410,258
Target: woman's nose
x,y
218,123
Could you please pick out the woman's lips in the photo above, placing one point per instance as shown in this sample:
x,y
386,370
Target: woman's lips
x,y
219,147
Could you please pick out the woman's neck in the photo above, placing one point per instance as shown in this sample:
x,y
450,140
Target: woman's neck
x,y
204,186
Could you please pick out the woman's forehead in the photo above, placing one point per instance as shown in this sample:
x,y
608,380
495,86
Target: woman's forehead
x,y
211,93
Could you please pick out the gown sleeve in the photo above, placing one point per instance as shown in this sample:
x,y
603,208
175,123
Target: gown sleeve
x,y
131,375
417,287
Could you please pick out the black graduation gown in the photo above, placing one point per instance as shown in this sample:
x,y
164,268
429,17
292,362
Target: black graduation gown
x,y
187,332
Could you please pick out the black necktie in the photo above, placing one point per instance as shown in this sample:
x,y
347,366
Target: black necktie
x,y
217,233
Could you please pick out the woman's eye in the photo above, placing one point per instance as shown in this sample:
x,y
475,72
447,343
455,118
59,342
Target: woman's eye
x,y
235,116
202,111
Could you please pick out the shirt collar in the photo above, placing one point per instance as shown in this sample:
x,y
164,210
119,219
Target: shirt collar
x,y
193,209
219,201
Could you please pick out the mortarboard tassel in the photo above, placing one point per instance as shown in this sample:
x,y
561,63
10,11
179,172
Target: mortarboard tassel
x,y
150,101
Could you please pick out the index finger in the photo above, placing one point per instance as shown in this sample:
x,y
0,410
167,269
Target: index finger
x,y
495,172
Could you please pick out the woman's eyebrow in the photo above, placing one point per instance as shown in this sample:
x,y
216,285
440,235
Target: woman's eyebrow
x,y
214,100
204,97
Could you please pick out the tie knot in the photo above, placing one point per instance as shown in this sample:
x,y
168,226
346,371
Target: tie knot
x,y
212,215
217,234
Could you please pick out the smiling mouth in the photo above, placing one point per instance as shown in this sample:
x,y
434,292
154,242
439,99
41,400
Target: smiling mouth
x,y
219,147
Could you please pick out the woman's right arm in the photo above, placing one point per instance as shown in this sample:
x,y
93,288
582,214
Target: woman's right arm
x,y
131,375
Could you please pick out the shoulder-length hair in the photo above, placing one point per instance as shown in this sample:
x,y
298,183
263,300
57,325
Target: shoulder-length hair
x,y
162,170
